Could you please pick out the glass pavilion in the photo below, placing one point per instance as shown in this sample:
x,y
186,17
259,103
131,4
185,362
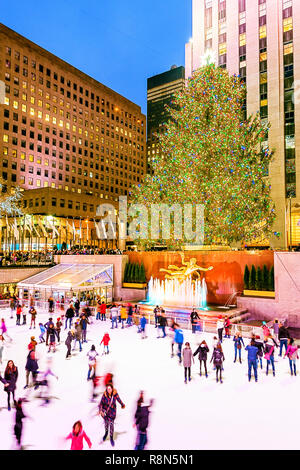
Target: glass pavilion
x,y
83,281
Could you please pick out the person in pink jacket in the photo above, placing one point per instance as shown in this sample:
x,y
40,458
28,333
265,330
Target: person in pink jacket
x,y
77,435
292,354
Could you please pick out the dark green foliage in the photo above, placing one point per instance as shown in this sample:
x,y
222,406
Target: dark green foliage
x,y
271,279
134,272
246,277
258,280
265,278
252,278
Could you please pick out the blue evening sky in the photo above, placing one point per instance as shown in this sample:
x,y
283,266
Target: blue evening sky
x,y
119,43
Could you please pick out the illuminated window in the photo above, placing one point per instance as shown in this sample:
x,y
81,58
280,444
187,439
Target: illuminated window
x,y
24,108
288,49
263,56
15,104
263,32
287,24
31,112
242,39
5,138
38,183
46,184
31,158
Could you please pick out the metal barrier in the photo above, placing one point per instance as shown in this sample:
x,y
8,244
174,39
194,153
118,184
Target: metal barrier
x,y
203,325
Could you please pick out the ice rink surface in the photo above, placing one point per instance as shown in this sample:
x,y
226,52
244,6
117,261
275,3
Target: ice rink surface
x,y
202,414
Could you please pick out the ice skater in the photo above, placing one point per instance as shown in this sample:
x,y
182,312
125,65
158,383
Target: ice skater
x,y
77,435
269,345
292,354
143,323
43,331
31,368
10,381
58,328
43,382
202,352
52,337
188,358
105,340
18,427
218,358
141,418
4,330
108,410
252,359
33,314
68,342
92,354
238,342
178,339
2,345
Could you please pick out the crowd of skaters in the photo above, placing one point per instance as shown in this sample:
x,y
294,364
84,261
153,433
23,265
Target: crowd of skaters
x,y
76,320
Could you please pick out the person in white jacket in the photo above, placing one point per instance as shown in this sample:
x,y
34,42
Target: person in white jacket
x,y
114,316
220,327
92,354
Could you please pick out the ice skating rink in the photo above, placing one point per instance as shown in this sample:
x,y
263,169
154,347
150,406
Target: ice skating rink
x,y
202,414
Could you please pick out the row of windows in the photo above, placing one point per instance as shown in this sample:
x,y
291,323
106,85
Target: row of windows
x,y
43,69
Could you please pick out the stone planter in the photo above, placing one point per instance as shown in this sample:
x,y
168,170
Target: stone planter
x,y
259,293
134,285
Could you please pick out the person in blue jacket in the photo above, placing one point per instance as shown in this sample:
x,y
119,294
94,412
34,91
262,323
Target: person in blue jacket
x,y
252,359
238,342
143,323
178,339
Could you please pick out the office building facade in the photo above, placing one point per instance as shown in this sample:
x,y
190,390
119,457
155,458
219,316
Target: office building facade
x,y
160,91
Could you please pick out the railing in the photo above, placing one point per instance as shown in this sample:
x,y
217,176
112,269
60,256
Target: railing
x,y
203,325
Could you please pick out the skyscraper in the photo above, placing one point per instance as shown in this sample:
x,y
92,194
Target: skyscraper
x,y
68,141
160,90
260,41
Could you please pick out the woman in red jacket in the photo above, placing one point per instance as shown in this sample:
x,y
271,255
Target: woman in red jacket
x,y
105,341
77,435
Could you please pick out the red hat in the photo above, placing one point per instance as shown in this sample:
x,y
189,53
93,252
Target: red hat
x,y
220,317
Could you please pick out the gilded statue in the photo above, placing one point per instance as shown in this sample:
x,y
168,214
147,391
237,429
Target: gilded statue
x,y
188,268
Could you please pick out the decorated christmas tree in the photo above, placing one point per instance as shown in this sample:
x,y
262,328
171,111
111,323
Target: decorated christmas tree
x,y
9,200
211,156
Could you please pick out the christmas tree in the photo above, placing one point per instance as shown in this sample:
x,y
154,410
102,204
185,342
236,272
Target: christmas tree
x,y
211,156
9,200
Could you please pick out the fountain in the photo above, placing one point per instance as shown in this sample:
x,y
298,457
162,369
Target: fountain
x,y
178,292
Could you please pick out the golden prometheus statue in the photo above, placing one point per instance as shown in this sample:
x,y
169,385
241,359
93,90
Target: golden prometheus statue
x,y
188,269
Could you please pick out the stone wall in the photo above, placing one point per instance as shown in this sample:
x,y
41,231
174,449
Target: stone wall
x,y
287,292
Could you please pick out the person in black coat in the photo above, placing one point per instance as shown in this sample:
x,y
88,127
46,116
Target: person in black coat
x,y
18,423
68,343
163,323
48,326
283,336
194,320
202,351
69,315
141,422
9,381
31,367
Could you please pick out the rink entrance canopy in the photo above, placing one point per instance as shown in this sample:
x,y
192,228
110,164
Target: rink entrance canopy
x,y
83,281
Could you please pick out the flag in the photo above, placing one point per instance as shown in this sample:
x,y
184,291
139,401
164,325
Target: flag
x,y
97,229
103,228
35,229
80,232
74,230
15,229
42,227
